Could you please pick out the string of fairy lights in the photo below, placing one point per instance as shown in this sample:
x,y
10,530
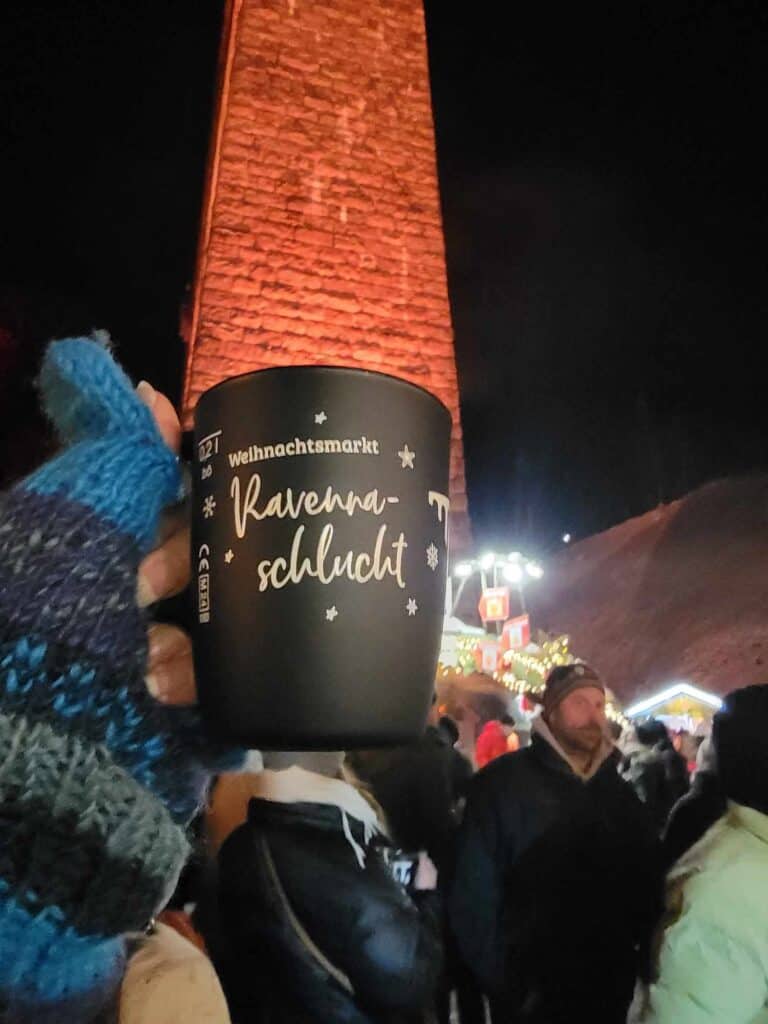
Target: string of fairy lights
x,y
524,672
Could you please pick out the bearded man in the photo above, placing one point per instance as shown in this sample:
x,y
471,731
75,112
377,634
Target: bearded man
x,y
557,882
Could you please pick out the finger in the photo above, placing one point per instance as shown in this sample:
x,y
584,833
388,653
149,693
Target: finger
x,y
170,673
165,415
172,521
165,571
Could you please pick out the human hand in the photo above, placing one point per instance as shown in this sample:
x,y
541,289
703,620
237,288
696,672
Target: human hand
x,y
164,572
98,780
426,873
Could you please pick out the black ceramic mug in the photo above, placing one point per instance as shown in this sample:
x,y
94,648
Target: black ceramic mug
x,y
319,537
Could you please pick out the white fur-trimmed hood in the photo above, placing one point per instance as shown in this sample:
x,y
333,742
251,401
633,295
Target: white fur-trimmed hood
x,y
296,785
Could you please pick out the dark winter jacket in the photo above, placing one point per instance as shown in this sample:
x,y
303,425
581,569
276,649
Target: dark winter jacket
x,y
659,776
418,786
557,884
692,815
319,931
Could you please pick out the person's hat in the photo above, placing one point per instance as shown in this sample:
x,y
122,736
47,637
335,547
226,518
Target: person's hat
x,y
564,679
739,732
651,732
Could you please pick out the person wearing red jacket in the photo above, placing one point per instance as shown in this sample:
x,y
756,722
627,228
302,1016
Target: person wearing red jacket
x,y
492,741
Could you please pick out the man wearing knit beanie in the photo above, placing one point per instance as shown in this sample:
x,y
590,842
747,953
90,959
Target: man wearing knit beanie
x,y
574,711
552,837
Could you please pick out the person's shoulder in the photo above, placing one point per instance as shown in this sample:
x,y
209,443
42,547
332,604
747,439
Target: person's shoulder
x,y
616,787
614,771
170,978
501,770
735,846
725,873
645,759
434,738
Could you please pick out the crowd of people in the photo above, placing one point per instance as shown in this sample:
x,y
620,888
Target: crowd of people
x,y
537,891
577,876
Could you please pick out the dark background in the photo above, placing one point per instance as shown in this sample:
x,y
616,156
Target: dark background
x,y
604,193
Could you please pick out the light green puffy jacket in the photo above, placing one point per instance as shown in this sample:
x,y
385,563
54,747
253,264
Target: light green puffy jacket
x,y
713,954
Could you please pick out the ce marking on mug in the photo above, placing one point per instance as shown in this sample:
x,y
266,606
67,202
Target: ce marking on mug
x,y
203,565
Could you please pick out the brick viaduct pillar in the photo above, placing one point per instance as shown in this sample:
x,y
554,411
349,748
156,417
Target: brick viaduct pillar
x,y
321,237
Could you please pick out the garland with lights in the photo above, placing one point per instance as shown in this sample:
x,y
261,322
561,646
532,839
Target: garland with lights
x,y
524,672
466,646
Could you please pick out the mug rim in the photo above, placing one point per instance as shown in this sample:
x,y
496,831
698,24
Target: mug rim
x,y
358,371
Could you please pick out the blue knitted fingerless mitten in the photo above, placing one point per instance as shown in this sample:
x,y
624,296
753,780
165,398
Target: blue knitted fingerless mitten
x,y
97,780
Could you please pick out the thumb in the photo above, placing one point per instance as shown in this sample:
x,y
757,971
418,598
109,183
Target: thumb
x,y
86,395
166,419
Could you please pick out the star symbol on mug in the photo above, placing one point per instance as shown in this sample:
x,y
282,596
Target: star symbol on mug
x,y
209,507
229,556
412,607
407,457
320,418
331,613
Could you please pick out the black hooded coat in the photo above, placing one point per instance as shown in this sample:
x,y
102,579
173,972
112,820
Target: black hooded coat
x,y
317,929
557,887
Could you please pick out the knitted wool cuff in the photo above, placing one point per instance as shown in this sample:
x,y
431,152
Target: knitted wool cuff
x,y
97,780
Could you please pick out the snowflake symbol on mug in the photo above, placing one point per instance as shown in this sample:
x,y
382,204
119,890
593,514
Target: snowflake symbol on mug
x,y
432,557
331,613
412,607
209,506
406,457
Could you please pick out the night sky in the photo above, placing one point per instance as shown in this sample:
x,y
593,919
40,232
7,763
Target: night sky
x,y
604,195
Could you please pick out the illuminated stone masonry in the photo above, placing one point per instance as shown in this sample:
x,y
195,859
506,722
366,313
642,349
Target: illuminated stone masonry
x,y
321,237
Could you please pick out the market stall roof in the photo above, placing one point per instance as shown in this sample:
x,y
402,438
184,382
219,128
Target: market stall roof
x,y
650,704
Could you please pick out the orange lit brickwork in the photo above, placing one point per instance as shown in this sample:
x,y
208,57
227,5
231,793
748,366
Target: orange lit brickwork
x,y
321,239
